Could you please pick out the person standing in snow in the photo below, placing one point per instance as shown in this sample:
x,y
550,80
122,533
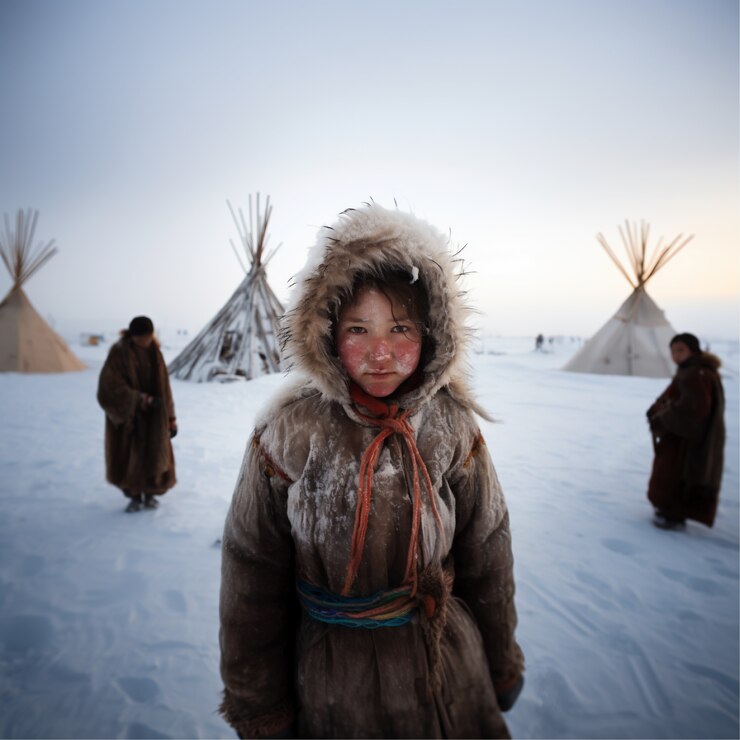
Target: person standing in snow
x,y
367,573
134,391
688,428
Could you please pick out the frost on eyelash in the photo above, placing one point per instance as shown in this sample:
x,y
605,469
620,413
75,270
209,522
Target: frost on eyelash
x,y
414,274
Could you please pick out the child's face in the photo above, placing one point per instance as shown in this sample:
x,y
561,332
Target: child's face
x,y
680,352
143,340
378,344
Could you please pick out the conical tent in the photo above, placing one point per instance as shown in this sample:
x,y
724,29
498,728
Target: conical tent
x,y
27,343
635,340
241,339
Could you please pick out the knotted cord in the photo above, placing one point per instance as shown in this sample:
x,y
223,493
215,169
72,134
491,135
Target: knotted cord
x,y
391,420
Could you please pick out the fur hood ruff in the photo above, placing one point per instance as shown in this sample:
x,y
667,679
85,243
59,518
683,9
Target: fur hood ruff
x,y
710,360
367,240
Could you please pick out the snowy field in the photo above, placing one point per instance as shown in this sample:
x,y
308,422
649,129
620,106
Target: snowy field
x,y
109,621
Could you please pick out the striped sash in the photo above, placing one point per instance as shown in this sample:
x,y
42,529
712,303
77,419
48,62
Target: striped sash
x,y
391,608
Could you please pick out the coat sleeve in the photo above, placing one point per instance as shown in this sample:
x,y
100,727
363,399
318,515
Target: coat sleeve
x,y
117,398
687,414
484,563
169,402
257,603
660,403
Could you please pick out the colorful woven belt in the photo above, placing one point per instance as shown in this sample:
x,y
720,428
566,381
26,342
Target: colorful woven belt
x,y
391,608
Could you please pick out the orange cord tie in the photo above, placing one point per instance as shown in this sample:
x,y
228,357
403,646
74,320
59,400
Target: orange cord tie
x,y
391,422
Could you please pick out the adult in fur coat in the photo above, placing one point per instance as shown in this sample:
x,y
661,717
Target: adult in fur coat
x,y
360,598
134,391
687,423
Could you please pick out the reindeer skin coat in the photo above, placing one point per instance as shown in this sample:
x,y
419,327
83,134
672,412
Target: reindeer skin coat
x,y
688,427
138,451
292,516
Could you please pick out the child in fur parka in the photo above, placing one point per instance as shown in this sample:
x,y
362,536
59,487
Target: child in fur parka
x,y
688,428
367,576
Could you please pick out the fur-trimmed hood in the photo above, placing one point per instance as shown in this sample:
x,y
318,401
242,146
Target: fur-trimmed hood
x,y
367,240
710,360
702,359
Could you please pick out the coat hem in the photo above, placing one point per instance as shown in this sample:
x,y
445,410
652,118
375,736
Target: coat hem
x,y
272,723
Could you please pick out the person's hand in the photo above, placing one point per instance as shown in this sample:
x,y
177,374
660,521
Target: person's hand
x,y
150,402
507,692
173,428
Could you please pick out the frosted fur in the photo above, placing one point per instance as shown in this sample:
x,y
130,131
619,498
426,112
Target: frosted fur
x,y
293,513
366,240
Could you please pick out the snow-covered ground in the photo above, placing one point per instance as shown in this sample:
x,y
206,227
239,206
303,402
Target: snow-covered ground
x,y
109,621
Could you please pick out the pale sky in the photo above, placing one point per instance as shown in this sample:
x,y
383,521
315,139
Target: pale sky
x,y
523,128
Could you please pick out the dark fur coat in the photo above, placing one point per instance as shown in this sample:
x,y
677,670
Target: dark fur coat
x,y
687,421
138,451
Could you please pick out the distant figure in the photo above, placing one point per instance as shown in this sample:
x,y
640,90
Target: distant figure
x,y
134,391
539,342
687,423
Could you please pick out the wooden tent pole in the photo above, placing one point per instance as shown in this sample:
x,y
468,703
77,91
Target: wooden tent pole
x,y
600,238
665,258
635,247
643,251
626,242
238,258
655,256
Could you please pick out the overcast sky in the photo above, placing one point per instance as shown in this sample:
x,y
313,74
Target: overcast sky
x,y
522,127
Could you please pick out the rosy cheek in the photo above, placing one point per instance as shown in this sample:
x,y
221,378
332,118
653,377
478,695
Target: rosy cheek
x,y
407,358
351,353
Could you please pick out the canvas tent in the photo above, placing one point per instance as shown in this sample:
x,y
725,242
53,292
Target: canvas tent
x,y
635,340
240,342
27,343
